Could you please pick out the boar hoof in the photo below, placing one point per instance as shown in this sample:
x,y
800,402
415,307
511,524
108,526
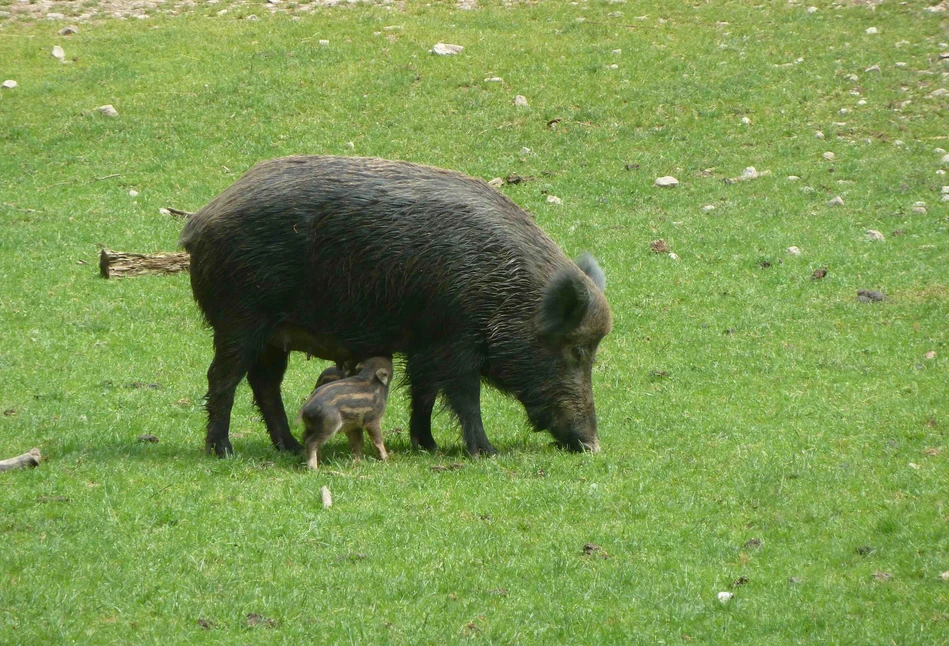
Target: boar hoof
x,y
424,444
221,447
289,445
486,451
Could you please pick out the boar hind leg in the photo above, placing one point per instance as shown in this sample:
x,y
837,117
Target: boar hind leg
x,y
321,425
265,377
464,397
225,373
424,395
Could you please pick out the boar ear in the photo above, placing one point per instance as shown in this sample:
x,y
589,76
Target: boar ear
x,y
383,375
589,266
566,301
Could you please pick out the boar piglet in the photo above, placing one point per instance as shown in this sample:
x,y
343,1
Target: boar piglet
x,y
350,405
335,373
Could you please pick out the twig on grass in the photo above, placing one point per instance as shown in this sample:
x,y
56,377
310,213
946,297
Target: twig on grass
x,y
30,459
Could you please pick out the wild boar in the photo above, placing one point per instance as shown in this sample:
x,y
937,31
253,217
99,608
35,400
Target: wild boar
x,y
347,258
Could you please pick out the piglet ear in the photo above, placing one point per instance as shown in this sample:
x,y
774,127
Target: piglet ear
x,y
589,266
566,301
383,375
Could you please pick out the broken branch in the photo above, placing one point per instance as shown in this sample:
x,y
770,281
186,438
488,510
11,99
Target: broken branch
x,y
118,264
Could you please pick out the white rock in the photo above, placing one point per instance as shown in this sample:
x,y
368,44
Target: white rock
x,y
725,597
794,251
326,497
55,16
808,189
164,212
937,93
900,64
497,182
829,156
520,101
746,121
853,77
58,53
818,135
525,150
812,10
612,66
898,142
273,1
9,85
919,210
251,17
874,236
843,111
350,145
617,52
553,199
872,68
667,181
108,111
494,79
920,203
793,178
939,151
945,160
708,207
862,102
940,172
871,30
133,193
945,198
945,189
444,49
837,201
324,43
672,256
69,31
749,173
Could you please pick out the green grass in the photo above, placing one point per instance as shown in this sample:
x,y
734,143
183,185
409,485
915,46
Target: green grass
x,y
735,400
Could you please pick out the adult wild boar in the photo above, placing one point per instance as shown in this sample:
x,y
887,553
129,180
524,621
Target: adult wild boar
x,y
347,258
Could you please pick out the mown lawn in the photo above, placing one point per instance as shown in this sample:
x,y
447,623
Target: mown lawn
x,y
764,433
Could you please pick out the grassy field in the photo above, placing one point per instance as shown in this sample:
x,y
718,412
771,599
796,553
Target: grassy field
x,y
764,433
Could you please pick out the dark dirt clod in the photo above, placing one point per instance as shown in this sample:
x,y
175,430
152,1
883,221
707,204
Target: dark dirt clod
x,y
205,624
740,581
146,386
501,592
148,438
10,412
592,549
454,466
752,543
633,166
352,558
819,273
253,619
659,246
869,296
865,550
46,499
517,179
882,577
794,581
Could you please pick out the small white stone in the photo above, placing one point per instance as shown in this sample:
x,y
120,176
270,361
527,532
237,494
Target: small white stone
x,y
749,173
520,101
939,151
871,30
843,111
222,12
672,256
444,49
725,597
164,212
617,52
497,182
273,1
945,198
494,79
900,64
808,189
553,199
945,189
746,121
920,203
251,17
872,68
945,160
937,93
862,102
919,210
793,178
133,193
350,145
108,111
853,77
708,207
818,135
897,142
9,85
324,43
58,53
525,150
829,156
55,16
794,251
940,172
812,10
613,66
667,181
837,201
326,497
874,236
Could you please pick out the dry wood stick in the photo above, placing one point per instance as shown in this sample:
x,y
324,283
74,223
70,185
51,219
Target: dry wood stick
x,y
31,459
117,263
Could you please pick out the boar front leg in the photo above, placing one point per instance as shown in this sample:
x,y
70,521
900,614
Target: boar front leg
x,y
375,434
265,377
424,394
464,397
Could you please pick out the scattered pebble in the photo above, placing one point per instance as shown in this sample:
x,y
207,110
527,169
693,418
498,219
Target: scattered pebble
x,y
750,544
725,596
871,30
937,93
829,156
869,296
882,577
900,64
853,77
659,246
9,85
617,52
808,189
108,111
919,210
812,10
793,178
930,355
350,145
944,576
794,580
553,199
494,79
164,212
326,497
944,190
520,101
133,193
898,142
818,135
708,207
59,53
148,438
525,150
673,256
69,31
862,102
874,236
667,182
497,182
324,43
746,121
837,201
872,68
794,251
444,49
251,17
